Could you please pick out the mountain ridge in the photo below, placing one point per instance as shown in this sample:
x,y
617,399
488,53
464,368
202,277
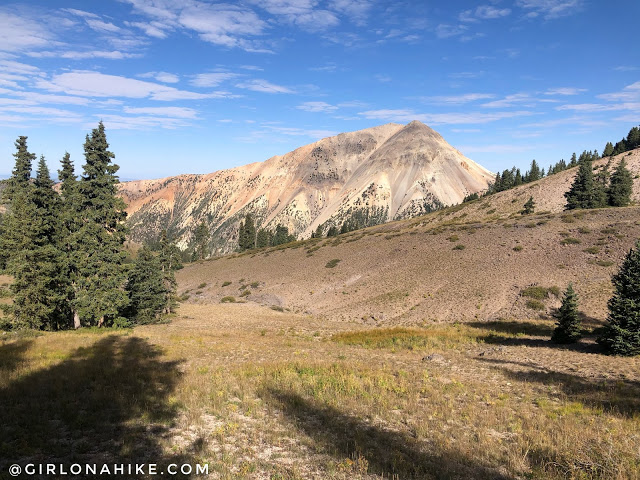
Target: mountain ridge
x,y
394,170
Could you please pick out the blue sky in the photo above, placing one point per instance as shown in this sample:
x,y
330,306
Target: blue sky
x,y
194,86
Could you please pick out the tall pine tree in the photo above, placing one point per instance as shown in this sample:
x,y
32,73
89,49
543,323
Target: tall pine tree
x,y
146,287
170,258
585,191
99,244
621,334
620,186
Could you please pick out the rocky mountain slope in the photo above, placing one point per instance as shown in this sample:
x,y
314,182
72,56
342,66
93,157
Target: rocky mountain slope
x,y
468,262
387,172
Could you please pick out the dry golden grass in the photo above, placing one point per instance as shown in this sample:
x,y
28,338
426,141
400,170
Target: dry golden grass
x,y
258,393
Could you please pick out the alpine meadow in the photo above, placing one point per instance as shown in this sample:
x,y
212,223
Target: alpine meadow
x,y
319,239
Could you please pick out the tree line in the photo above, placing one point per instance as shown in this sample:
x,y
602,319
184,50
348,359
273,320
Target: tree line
x,y
65,250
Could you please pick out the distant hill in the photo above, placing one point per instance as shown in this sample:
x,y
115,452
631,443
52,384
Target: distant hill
x,y
382,173
472,261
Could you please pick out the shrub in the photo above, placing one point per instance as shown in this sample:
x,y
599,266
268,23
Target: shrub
x,y
592,250
227,283
453,238
228,299
570,241
255,284
517,248
535,304
332,263
459,247
202,285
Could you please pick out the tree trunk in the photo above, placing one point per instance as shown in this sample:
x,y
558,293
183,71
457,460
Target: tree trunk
x,y
76,320
101,321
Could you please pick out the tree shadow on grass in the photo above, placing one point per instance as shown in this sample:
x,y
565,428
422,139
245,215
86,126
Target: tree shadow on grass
x,y
12,354
533,329
616,397
387,452
107,403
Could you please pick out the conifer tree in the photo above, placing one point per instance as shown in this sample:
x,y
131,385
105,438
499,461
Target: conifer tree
x,y
621,334
39,284
201,241
608,150
146,287
169,257
247,233
534,172
100,253
620,186
332,232
584,192
529,207
263,238
633,138
568,325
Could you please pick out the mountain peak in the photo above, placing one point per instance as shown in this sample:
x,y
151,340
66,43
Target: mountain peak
x,y
377,174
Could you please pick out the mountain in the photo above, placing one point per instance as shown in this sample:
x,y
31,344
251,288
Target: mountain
x,y
378,174
471,262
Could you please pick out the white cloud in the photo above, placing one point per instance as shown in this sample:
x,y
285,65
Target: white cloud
x,y
94,84
20,33
495,148
458,99
406,115
483,12
295,131
211,79
174,112
356,10
512,100
80,13
629,93
121,122
301,12
259,85
447,31
100,26
565,91
163,77
382,78
78,55
317,107
597,107
550,9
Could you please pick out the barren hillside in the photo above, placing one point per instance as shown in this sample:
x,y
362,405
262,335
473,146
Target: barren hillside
x,y
467,262
394,171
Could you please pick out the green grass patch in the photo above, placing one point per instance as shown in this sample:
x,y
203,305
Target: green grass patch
x,y
411,338
534,304
570,241
228,299
459,247
332,263
539,293
592,250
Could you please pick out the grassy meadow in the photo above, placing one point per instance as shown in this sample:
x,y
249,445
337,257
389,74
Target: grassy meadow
x,y
258,393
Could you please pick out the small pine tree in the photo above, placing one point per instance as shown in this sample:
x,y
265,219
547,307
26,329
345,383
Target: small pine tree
x,y
585,192
332,232
529,207
146,288
201,241
568,329
263,238
170,258
621,334
620,187
608,150
319,232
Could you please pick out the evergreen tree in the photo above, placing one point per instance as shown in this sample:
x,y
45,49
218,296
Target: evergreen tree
x,y
319,232
620,147
332,232
100,253
282,236
574,161
620,187
633,138
201,241
608,150
534,172
247,233
170,258
529,207
584,192
621,334
568,325
38,282
146,287
263,238
70,223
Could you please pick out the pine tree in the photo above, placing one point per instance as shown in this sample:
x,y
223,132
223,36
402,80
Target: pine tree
x,y
620,187
38,283
568,325
332,232
100,254
584,192
263,238
621,334
534,172
529,207
247,233
574,161
201,241
170,258
633,138
318,233
146,287
608,150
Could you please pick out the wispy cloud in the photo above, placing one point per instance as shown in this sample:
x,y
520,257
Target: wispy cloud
x,y
447,31
406,115
258,85
83,55
19,33
565,91
163,77
483,12
317,107
174,112
94,84
457,99
550,9
630,93
211,79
